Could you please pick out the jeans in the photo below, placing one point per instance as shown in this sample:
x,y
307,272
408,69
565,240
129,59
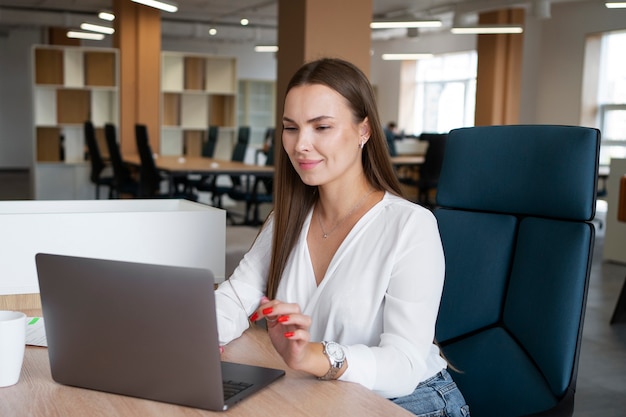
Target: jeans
x,y
437,396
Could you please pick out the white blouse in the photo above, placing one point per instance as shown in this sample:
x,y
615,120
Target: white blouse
x,y
379,298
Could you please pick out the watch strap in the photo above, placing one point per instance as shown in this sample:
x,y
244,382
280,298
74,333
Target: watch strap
x,y
335,366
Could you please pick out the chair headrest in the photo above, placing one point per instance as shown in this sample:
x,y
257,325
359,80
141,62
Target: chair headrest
x,y
539,170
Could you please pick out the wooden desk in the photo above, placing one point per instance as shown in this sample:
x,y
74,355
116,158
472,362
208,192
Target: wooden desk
x,y
180,166
294,395
407,160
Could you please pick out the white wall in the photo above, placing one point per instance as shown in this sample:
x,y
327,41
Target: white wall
x,y
558,60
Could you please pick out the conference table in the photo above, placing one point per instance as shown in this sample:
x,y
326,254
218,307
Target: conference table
x,y
176,167
407,160
297,394
189,165
184,166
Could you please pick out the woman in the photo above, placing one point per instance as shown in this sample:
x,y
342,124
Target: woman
x,y
347,274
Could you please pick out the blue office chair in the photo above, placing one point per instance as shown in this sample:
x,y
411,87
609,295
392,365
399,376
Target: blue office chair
x,y
391,141
515,204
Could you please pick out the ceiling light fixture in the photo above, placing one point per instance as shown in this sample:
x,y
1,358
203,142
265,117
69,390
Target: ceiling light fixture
x,y
97,28
616,5
486,29
266,48
167,6
85,35
106,15
406,24
244,22
212,31
405,57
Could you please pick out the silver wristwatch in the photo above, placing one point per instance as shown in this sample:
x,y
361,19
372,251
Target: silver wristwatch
x,y
336,356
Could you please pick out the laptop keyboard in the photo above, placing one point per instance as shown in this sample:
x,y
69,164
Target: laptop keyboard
x,y
233,388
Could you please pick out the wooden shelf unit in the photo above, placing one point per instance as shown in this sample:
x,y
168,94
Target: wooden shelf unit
x,y
197,91
70,86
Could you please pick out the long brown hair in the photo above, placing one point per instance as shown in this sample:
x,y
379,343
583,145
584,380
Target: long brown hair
x,y
292,198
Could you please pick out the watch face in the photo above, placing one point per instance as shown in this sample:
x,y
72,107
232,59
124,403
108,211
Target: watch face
x,y
335,351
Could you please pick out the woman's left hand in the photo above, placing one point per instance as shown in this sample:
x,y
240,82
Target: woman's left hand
x,y
288,329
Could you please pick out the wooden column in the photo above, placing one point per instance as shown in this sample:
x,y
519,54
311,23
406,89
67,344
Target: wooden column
x,y
138,38
499,71
311,29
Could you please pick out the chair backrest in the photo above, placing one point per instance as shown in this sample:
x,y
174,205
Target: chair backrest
x,y
431,168
243,134
95,157
149,177
239,151
515,204
270,132
391,142
208,147
268,182
121,174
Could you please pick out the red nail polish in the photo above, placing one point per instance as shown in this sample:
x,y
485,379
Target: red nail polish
x,y
268,310
283,319
254,317
221,349
289,334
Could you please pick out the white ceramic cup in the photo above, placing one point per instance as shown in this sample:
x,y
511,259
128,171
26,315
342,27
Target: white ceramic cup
x,y
12,344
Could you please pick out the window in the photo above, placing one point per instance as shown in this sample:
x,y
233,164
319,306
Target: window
x,y
441,94
612,96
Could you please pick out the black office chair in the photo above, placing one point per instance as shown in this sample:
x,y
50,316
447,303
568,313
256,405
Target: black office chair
x,y
123,181
426,177
208,146
96,161
238,155
193,181
515,204
261,192
150,177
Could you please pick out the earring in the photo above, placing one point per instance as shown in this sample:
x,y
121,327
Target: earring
x,y
361,145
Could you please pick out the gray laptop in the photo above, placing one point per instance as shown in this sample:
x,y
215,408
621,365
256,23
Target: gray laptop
x,y
141,330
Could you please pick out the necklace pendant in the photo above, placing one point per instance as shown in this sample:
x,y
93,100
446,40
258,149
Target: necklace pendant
x,y
325,235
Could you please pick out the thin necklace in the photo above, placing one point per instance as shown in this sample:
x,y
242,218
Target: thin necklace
x,y
352,210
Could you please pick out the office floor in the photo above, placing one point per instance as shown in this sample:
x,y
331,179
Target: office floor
x,y
602,370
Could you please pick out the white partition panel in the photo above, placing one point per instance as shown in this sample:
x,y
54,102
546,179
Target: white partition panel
x,y
164,232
